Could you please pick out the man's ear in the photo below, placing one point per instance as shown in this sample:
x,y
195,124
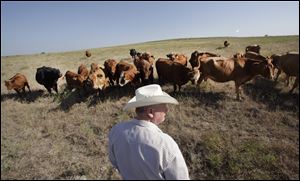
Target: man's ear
x,y
150,113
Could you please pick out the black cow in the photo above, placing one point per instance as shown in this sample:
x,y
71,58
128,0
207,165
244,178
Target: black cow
x,y
48,77
133,53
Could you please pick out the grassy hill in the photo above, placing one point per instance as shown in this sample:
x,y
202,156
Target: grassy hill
x,y
64,136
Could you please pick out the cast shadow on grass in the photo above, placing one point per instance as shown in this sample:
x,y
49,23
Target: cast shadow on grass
x,y
199,96
68,98
203,98
267,92
219,48
27,98
113,93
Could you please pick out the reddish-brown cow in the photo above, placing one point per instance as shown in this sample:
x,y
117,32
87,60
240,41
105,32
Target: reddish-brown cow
x,y
240,70
18,83
175,73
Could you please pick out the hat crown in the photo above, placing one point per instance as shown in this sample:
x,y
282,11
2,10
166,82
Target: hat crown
x,y
148,91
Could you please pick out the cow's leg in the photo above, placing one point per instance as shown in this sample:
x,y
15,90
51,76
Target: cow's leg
x,y
175,87
237,91
49,89
28,87
277,75
295,84
55,87
160,80
201,78
18,92
287,80
151,77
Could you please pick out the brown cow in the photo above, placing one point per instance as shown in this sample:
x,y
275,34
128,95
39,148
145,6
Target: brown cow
x,y
18,83
126,73
110,69
253,48
197,56
241,70
88,53
82,70
145,70
147,56
175,73
289,64
180,58
74,80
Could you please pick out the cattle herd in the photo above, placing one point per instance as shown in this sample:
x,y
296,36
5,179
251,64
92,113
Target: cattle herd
x,y
174,69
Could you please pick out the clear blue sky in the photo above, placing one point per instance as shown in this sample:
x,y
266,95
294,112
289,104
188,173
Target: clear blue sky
x,y
35,27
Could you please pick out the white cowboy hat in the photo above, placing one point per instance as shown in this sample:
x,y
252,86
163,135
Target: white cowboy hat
x,y
149,95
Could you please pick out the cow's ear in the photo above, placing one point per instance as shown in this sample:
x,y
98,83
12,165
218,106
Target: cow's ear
x,y
103,69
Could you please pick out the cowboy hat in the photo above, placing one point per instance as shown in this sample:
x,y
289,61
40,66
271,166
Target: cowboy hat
x,y
149,95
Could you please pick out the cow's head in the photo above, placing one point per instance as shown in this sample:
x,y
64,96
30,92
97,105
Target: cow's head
x,y
171,56
194,59
275,59
132,52
8,84
127,76
98,79
264,68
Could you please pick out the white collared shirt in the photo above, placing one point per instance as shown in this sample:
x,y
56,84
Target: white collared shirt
x,y
140,150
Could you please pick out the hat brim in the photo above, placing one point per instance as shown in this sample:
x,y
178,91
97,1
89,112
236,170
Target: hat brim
x,y
161,99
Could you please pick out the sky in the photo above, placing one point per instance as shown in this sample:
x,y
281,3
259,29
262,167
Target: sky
x,y
60,26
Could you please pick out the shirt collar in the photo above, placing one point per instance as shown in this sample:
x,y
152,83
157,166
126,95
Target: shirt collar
x,y
146,124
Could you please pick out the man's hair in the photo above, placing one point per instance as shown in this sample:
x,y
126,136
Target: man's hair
x,y
140,110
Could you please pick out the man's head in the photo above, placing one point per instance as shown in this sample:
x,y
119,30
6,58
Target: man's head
x,y
155,113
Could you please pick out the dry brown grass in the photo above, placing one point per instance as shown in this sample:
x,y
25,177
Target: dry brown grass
x,y
65,136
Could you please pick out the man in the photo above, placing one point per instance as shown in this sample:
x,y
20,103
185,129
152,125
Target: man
x,y
138,148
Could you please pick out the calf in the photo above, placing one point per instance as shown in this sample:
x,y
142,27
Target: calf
x,y
18,83
74,80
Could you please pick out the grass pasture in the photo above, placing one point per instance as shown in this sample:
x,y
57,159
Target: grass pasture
x,y
64,136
